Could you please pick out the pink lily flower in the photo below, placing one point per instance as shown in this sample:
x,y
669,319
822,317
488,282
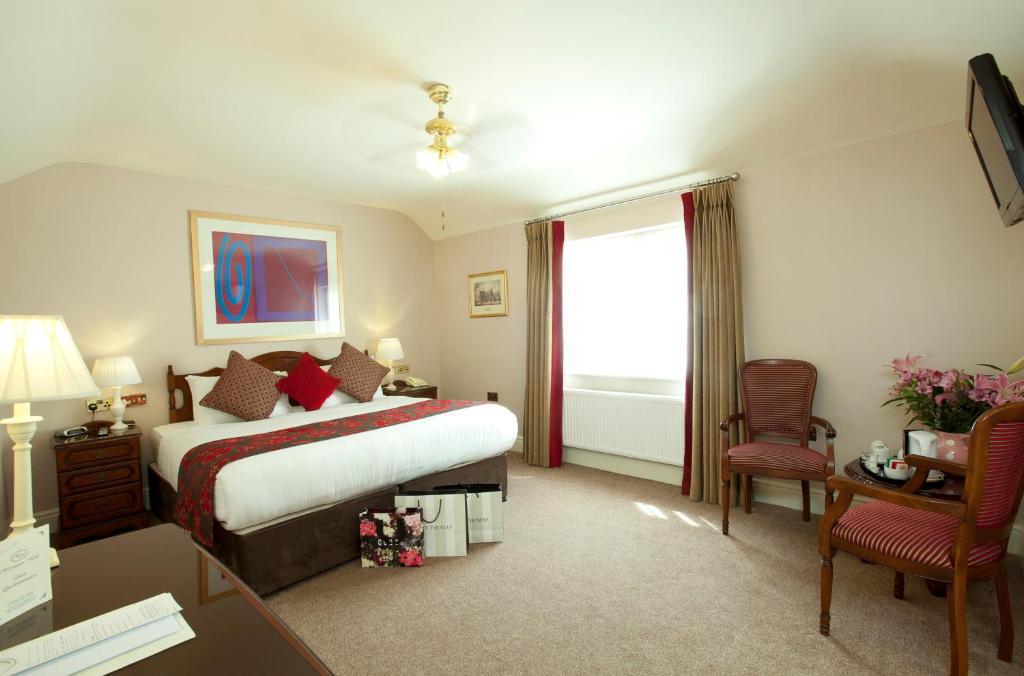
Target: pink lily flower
x,y
906,364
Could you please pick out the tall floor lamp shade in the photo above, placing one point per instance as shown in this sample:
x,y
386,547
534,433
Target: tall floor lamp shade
x,y
38,362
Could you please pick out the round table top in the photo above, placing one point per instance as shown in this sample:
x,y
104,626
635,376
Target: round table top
x,y
951,489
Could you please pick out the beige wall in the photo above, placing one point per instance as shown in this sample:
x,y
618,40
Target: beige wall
x,y
850,257
109,250
486,354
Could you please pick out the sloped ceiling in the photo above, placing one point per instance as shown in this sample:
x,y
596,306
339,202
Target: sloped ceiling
x,y
563,100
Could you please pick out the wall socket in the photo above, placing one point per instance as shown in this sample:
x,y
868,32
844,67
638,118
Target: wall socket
x,y
401,369
104,403
492,396
100,404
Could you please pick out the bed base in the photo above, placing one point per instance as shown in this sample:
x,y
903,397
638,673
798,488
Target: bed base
x,y
276,556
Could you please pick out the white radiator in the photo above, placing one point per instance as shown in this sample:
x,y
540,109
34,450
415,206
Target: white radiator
x,y
645,426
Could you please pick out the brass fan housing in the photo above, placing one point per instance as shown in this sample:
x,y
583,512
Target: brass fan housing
x,y
440,94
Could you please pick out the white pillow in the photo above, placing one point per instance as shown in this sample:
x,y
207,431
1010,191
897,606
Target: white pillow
x,y
338,397
204,415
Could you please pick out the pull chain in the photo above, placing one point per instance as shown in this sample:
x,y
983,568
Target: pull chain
x,y
442,206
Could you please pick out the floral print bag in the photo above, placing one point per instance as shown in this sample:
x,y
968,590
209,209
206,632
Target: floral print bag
x,y
391,537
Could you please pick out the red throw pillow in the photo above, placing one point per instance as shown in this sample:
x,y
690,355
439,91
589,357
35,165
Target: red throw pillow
x,y
360,376
308,384
245,389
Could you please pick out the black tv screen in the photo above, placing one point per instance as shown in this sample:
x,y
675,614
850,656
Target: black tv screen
x,y
995,121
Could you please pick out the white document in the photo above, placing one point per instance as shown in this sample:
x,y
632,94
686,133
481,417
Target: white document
x,y
103,644
24,573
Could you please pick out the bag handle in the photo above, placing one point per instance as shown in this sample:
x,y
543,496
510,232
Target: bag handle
x,y
440,506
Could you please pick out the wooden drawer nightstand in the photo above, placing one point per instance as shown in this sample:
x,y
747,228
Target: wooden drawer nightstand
x,y
99,485
423,391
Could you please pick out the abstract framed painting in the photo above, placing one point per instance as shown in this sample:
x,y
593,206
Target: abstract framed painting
x,y
488,294
259,279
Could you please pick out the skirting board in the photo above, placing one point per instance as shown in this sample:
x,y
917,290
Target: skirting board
x,y
771,491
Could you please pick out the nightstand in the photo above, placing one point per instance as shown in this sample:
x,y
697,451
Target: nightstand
x,y
423,391
99,486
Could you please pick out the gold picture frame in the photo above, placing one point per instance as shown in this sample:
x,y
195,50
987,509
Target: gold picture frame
x,y
236,293
488,294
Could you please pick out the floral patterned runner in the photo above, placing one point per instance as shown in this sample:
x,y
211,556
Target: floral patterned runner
x,y
193,509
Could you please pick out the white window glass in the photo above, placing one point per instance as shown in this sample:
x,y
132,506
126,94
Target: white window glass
x,y
625,305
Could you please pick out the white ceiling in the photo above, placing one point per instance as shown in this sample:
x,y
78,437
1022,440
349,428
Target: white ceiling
x,y
568,99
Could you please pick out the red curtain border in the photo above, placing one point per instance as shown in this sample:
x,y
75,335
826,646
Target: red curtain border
x,y
555,438
688,401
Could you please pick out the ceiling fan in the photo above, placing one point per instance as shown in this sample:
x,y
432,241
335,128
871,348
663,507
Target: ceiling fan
x,y
391,133
440,158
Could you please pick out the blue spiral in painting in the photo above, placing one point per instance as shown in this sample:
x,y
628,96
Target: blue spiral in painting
x,y
233,278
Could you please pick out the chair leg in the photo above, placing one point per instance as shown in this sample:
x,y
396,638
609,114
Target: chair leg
x,y
956,604
805,488
825,619
1005,618
748,492
725,503
898,582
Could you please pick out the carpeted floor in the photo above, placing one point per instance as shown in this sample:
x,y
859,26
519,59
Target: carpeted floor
x,y
602,573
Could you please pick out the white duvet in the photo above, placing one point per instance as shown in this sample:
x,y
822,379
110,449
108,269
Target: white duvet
x,y
270,486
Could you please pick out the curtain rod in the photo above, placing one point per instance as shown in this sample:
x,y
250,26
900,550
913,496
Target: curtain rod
x,y
721,179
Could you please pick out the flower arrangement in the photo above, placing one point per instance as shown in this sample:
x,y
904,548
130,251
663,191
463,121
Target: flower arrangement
x,y
950,401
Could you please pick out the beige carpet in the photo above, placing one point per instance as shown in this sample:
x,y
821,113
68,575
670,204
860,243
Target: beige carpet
x,y
602,573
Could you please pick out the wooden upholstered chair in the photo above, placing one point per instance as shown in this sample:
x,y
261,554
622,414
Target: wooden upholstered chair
x,y
948,541
777,398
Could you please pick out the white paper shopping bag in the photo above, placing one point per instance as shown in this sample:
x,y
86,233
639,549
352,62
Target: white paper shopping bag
x,y
485,509
445,526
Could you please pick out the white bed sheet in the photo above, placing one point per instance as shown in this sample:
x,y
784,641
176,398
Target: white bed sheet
x,y
277,484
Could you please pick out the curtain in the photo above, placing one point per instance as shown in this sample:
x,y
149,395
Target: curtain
x,y
716,331
542,414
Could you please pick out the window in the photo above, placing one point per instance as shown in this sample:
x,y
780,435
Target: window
x,y
625,310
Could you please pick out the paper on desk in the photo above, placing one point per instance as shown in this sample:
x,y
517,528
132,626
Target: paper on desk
x,y
24,572
103,644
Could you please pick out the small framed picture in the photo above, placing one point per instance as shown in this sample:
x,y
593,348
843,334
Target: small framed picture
x,y
488,294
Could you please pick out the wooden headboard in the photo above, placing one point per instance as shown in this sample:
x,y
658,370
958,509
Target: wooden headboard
x,y
283,360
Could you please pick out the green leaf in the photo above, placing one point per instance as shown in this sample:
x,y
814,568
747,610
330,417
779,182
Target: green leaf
x,y
992,366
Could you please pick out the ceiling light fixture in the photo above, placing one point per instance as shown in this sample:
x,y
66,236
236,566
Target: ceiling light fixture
x,y
439,158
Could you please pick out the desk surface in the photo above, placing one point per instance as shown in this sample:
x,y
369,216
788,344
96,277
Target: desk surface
x,y
235,632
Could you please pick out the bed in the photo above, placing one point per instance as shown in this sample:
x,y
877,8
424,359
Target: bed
x,y
286,515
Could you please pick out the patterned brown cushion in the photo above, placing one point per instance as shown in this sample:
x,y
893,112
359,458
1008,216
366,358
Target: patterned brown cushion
x,y
245,389
359,375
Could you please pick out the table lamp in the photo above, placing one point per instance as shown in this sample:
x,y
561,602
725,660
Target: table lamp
x,y
38,362
388,350
114,372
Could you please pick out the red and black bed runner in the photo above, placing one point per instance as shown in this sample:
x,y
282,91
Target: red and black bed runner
x,y
193,509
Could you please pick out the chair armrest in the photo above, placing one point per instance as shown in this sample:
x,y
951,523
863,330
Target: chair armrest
x,y
926,463
830,436
729,420
845,485
830,432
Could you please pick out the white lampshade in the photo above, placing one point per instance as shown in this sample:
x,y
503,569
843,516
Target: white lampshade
x,y
110,371
389,349
438,165
39,361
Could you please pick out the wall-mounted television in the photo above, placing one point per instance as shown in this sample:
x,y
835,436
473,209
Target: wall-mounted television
x,y
995,121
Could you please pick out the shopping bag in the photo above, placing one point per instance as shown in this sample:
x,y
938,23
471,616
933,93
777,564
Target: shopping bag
x,y
391,538
485,510
445,528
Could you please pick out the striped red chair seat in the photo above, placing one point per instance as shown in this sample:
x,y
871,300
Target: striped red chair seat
x,y
760,456
909,534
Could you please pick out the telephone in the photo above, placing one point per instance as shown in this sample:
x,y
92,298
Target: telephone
x,y
413,381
